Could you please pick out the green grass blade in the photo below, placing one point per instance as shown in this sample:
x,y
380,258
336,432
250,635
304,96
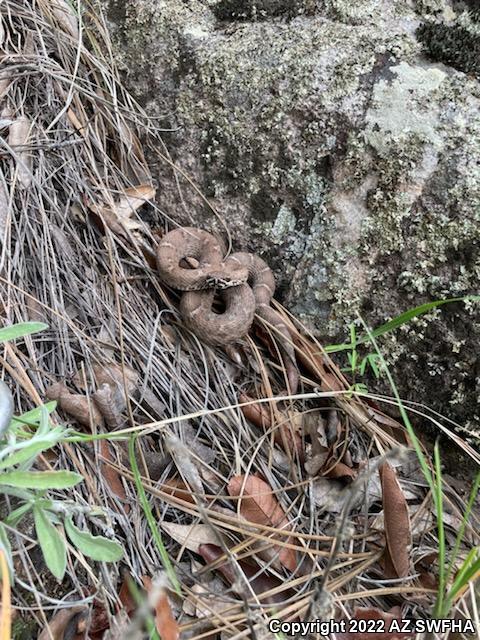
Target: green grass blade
x,y
406,420
461,531
398,321
167,564
468,570
20,330
438,500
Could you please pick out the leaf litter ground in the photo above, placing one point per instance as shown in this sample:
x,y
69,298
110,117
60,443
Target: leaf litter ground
x,y
233,501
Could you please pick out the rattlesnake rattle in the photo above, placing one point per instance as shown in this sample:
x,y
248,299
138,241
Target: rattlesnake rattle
x,y
244,281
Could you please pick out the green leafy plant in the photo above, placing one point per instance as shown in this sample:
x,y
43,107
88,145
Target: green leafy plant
x,y
26,437
451,584
449,587
397,322
358,365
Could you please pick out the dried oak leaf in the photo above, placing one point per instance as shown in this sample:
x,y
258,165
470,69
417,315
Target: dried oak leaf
x,y
118,215
261,583
177,488
191,536
285,434
259,505
18,136
375,614
335,470
111,475
83,409
65,16
165,623
396,521
62,623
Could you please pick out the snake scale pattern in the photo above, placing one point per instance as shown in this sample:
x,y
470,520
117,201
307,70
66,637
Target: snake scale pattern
x,y
193,261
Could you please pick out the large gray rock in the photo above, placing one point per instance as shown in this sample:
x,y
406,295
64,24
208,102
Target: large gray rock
x,y
337,139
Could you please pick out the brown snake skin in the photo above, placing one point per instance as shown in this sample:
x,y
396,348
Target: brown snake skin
x,y
244,282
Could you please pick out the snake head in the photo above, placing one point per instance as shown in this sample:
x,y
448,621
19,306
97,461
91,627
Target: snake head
x,y
226,277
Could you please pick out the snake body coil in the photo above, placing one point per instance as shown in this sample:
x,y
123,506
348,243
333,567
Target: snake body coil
x,y
244,282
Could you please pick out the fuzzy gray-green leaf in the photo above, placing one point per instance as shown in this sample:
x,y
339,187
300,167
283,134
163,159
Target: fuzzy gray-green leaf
x,y
95,547
51,543
40,479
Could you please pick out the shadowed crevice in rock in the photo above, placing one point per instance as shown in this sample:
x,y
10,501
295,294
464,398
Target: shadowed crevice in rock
x,y
453,45
263,9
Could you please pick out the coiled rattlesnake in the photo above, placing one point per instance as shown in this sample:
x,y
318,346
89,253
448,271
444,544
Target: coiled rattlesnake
x,y
192,261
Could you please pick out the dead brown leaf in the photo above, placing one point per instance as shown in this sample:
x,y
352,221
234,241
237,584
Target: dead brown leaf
x,y
259,583
19,134
165,623
63,622
284,434
111,475
191,536
118,215
338,470
259,505
397,521
177,487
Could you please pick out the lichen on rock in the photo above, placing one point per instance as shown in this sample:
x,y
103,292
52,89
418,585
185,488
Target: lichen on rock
x,y
334,141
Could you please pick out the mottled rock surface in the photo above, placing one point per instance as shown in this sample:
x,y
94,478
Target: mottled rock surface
x,y
341,140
